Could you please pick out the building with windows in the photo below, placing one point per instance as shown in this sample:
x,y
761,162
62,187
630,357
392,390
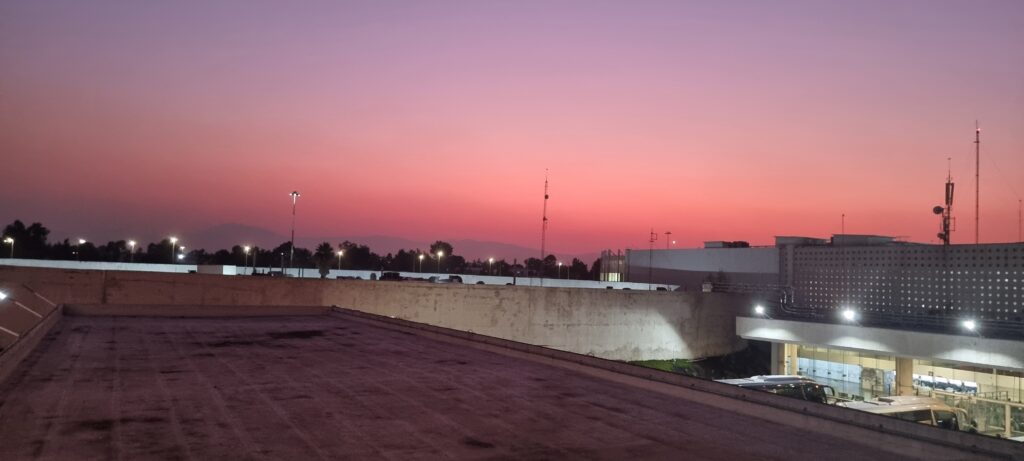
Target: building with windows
x,y
873,316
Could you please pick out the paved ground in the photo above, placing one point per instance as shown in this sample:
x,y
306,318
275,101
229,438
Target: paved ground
x,y
339,388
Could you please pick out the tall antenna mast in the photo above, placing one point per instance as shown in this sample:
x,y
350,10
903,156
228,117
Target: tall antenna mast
x,y
544,227
650,260
668,240
946,212
977,175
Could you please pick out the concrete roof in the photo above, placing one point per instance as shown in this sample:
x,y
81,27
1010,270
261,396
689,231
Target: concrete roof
x,y
338,386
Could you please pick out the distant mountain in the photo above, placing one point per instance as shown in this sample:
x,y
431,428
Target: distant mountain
x,y
227,235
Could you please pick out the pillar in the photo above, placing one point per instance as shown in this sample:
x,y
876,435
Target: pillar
x,y
904,376
778,358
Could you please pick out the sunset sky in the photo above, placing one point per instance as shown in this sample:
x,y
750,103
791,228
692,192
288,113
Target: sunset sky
x,y
436,120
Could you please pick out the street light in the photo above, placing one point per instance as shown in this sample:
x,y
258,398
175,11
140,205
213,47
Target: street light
x,y
559,269
131,249
245,256
10,240
421,261
439,255
174,241
181,256
849,315
291,257
340,254
79,252
490,268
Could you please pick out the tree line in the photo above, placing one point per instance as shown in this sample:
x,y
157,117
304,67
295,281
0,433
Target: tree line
x,y
31,242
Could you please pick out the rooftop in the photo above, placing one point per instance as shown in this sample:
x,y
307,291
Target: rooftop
x,y
343,386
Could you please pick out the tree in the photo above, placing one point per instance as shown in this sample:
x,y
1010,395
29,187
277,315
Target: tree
x,y
29,242
578,269
595,270
359,256
324,256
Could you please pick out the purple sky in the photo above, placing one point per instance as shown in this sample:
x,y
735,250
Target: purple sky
x,y
436,120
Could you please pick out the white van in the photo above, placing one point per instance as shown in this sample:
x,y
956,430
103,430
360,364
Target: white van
x,y
924,410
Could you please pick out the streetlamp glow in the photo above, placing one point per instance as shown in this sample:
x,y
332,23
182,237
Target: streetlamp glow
x,y
78,250
559,269
421,261
181,256
340,254
759,309
490,268
3,296
131,251
849,315
970,325
174,242
440,254
10,241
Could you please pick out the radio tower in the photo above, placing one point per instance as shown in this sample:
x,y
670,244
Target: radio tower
x,y
544,227
977,183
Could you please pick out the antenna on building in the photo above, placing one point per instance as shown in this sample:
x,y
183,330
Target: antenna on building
x,y
544,227
977,176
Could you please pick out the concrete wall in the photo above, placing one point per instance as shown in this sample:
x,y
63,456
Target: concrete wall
x,y
613,324
689,267
315,274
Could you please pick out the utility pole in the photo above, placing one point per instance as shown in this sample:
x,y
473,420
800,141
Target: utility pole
x,y
977,176
544,228
668,240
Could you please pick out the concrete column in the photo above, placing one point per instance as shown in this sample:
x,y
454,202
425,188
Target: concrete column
x,y
778,358
904,376
791,358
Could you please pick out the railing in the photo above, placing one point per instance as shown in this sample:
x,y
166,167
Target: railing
x,y
996,418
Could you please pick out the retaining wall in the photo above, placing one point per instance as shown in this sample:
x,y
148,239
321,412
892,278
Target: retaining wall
x,y
612,324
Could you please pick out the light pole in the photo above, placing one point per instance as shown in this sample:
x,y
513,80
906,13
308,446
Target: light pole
x,y
559,270
174,242
245,257
340,254
80,243
10,241
131,251
421,262
490,266
181,256
291,257
440,254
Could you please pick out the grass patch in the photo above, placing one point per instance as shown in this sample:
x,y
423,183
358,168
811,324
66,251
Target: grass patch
x,y
679,366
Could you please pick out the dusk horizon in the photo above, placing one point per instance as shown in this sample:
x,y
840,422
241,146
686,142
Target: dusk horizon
x,y
736,121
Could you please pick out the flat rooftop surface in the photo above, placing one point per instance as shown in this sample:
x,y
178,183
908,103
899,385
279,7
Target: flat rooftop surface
x,y
339,387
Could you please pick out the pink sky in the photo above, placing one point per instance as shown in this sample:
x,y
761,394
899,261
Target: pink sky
x,y
437,120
